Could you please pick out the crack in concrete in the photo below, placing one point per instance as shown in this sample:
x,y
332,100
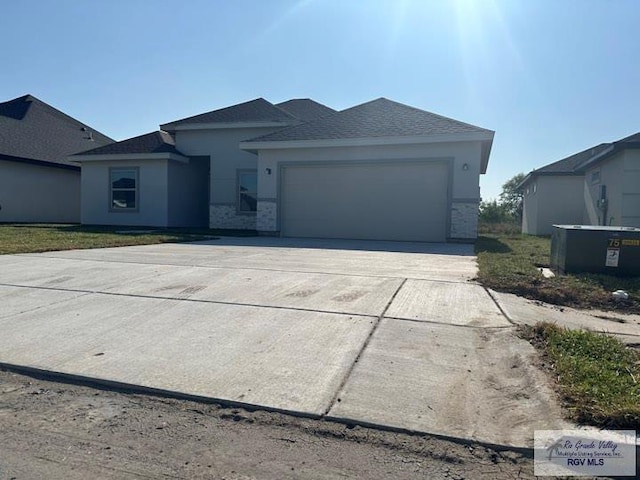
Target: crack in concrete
x,y
502,310
435,322
56,302
364,346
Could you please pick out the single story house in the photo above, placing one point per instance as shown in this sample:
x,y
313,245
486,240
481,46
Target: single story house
x,y
380,170
37,181
598,186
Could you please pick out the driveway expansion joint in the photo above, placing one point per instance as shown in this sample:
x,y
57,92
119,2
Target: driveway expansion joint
x,y
364,346
277,341
502,310
176,299
436,322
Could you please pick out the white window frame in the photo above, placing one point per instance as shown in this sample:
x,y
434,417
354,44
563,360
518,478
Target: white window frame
x,y
136,189
239,174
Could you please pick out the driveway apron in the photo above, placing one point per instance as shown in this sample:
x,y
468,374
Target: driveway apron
x,y
377,333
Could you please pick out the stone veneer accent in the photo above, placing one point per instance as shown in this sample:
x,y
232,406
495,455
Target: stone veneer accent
x,y
464,220
267,217
226,216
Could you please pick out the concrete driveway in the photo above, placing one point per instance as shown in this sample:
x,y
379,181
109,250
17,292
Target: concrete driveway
x,y
375,333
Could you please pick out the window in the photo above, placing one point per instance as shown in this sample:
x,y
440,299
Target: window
x,y
247,191
124,189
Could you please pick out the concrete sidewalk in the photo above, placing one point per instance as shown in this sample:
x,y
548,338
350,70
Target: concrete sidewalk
x,y
521,311
375,333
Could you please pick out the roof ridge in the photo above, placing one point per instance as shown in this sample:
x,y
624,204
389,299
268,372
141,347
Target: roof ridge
x,y
628,137
571,164
155,139
416,109
283,110
157,133
294,100
581,152
289,127
459,122
36,130
304,109
380,117
58,113
362,104
229,107
25,97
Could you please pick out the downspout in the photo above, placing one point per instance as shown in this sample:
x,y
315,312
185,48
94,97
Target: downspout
x,y
603,205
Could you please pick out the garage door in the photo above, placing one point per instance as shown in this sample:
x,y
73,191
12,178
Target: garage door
x,y
404,201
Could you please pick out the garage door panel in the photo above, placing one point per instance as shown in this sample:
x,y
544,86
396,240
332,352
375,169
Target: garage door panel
x,y
399,201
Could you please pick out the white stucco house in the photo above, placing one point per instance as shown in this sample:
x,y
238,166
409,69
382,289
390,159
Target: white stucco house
x,y
598,186
37,182
380,170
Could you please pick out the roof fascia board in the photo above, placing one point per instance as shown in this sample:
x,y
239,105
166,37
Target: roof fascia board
x,y
484,155
524,181
534,174
579,171
129,156
558,174
609,152
367,141
41,163
169,127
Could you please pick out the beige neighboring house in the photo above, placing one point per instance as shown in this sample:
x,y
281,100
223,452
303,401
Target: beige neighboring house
x,y
37,182
598,186
380,170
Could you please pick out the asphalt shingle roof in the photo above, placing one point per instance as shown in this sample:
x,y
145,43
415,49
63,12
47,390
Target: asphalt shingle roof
x,y
577,163
258,110
377,118
305,109
630,139
573,163
154,142
32,130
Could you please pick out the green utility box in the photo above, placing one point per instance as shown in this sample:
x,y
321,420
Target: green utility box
x,y
595,249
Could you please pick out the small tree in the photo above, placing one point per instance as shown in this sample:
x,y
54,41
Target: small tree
x,y
511,197
494,212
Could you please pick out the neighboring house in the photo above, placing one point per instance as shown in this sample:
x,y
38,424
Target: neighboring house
x,y
37,182
598,186
381,170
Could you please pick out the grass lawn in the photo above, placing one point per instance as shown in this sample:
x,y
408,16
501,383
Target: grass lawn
x,y
597,376
508,262
30,238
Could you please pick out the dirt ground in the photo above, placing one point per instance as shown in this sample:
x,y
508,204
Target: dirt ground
x,y
63,431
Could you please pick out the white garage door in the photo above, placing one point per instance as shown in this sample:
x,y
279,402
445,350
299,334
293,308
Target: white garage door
x,y
378,201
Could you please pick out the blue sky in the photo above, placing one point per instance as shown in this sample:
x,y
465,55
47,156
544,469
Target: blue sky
x,y
551,77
